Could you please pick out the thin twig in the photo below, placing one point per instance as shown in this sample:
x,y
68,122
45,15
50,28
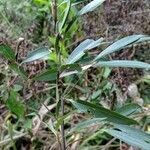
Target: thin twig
x,y
74,142
108,144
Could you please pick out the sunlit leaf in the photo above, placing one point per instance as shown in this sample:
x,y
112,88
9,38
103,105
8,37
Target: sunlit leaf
x,y
64,74
66,14
132,136
17,87
96,94
119,45
28,124
40,53
80,50
134,132
123,63
143,39
87,123
106,72
40,2
91,6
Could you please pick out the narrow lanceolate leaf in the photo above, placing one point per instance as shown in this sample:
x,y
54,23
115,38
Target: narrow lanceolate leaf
x,y
101,112
128,109
51,127
7,52
94,44
131,136
123,63
91,6
48,75
87,123
129,139
134,132
118,45
65,74
40,53
80,50
66,14
70,23
144,39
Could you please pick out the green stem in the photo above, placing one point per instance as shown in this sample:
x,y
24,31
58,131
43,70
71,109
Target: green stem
x,y
59,92
62,126
55,15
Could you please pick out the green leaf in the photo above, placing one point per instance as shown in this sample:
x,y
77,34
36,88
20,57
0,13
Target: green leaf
x,y
129,139
51,127
40,2
106,72
14,105
87,123
119,45
61,119
132,136
91,6
19,70
40,53
47,75
80,50
7,52
123,63
17,87
70,23
10,130
133,132
28,124
96,94
128,109
143,39
101,112
66,14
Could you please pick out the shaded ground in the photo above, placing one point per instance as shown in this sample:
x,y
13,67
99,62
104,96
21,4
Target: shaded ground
x,y
117,19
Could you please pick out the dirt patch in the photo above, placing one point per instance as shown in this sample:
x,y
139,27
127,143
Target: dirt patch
x,y
117,19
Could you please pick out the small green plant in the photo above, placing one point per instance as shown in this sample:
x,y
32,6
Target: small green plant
x,y
65,67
